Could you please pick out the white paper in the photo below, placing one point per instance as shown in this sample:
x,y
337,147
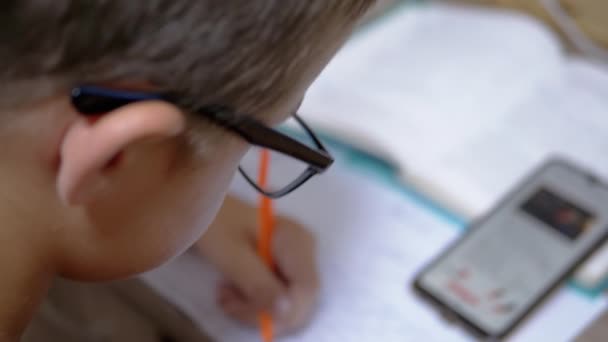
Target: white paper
x,y
372,241
427,78
568,118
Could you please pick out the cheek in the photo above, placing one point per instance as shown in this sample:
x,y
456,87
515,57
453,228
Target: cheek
x,y
200,194
153,223
197,205
185,211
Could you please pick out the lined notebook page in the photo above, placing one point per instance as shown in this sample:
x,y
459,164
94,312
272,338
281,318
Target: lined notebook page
x,y
372,241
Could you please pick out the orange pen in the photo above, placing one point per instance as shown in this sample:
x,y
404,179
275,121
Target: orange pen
x,y
266,222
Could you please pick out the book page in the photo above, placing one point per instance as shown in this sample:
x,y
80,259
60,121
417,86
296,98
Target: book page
x,y
567,118
372,242
426,78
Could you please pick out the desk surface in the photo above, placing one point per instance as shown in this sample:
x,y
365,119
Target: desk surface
x,y
596,332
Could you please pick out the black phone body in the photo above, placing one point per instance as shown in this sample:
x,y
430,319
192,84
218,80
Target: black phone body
x,y
511,259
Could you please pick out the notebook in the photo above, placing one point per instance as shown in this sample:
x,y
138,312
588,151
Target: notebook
x,y
372,240
463,101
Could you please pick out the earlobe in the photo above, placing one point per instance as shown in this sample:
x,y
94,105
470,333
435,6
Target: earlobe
x,y
88,146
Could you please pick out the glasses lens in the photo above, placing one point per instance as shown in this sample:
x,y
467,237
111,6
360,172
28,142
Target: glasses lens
x,y
283,170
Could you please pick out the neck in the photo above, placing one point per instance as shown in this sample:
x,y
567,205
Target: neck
x,y
27,231
24,282
26,267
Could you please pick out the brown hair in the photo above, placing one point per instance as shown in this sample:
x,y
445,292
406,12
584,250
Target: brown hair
x,y
240,52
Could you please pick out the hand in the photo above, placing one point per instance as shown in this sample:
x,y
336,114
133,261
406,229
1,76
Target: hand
x,y
289,292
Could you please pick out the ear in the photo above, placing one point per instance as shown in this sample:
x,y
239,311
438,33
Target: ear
x,y
90,145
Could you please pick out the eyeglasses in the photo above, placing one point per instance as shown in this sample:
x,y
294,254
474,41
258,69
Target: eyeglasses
x,y
94,100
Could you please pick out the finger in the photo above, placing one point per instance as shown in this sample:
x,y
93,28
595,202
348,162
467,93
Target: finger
x,y
304,301
295,252
237,309
246,272
227,292
235,305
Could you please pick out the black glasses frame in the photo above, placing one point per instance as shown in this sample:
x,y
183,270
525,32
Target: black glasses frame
x,y
95,100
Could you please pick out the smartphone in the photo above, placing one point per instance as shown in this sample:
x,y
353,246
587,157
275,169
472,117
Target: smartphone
x,y
515,256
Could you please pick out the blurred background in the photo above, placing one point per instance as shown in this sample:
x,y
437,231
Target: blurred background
x,y
589,15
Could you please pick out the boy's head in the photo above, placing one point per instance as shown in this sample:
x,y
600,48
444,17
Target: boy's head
x,y
117,194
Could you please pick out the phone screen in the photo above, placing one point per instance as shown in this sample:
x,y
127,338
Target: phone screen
x,y
494,275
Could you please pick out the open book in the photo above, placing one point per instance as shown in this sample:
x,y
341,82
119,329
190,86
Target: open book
x,y
463,101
